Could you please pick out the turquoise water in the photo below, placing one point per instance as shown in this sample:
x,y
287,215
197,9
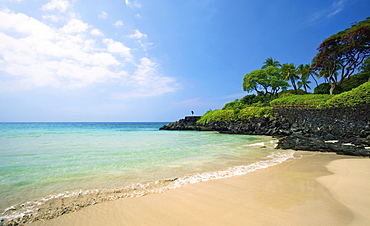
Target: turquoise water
x,y
43,159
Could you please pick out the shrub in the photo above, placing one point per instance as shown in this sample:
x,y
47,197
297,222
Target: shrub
x,y
291,92
252,112
234,105
355,81
249,100
324,88
359,95
244,114
217,115
302,101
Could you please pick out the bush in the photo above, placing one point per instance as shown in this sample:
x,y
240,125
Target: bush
x,y
324,88
291,92
249,100
217,115
238,115
355,81
253,112
302,101
359,95
234,105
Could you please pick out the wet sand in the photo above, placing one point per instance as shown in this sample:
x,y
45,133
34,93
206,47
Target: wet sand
x,y
312,189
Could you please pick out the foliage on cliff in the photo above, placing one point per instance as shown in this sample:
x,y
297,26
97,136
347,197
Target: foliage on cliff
x,y
341,54
244,114
301,101
355,81
359,95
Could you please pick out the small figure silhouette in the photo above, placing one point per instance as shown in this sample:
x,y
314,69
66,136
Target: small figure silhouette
x,y
192,112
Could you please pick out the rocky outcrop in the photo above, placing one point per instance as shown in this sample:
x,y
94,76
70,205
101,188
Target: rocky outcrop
x,y
301,129
313,143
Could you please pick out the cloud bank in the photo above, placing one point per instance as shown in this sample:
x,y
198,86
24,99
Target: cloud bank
x,y
35,54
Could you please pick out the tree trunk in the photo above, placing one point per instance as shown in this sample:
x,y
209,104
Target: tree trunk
x,y
332,88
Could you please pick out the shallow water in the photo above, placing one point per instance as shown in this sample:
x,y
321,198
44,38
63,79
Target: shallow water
x,y
85,163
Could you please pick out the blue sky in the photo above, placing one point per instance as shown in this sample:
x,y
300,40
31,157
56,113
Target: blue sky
x,y
137,60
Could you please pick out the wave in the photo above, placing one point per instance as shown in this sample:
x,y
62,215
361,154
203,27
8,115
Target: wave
x,y
56,205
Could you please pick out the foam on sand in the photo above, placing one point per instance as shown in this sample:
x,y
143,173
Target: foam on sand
x,y
59,204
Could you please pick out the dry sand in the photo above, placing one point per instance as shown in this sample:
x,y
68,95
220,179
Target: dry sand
x,y
300,191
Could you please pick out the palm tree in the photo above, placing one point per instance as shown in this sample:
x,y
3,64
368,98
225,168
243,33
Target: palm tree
x,y
289,72
304,82
306,71
271,62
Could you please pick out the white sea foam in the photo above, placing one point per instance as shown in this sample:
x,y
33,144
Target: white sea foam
x,y
271,160
50,206
255,144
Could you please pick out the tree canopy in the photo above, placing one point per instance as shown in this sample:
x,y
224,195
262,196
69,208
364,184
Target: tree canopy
x,y
271,62
341,54
265,82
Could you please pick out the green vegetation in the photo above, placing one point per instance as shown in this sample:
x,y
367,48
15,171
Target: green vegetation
x,y
341,54
301,101
254,112
235,115
266,82
355,81
217,115
359,95
339,57
249,100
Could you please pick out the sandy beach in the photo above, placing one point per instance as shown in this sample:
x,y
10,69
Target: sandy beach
x,y
311,189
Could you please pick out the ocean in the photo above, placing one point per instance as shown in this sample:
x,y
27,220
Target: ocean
x,y
48,169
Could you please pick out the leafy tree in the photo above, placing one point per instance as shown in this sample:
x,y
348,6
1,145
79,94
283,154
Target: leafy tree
x,y
289,72
365,67
291,92
305,70
265,82
271,62
251,99
355,81
341,54
304,83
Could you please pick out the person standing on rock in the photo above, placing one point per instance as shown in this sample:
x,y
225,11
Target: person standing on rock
x,y
192,112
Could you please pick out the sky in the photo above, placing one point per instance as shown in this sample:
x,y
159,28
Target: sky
x,y
146,60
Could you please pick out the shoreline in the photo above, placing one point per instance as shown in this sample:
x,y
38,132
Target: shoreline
x,y
55,205
299,191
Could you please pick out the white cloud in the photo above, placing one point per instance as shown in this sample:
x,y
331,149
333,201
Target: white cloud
x,y
137,35
103,15
337,7
53,18
61,5
134,3
147,82
21,23
96,32
118,23
118,48
75,26
44,56
33,55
